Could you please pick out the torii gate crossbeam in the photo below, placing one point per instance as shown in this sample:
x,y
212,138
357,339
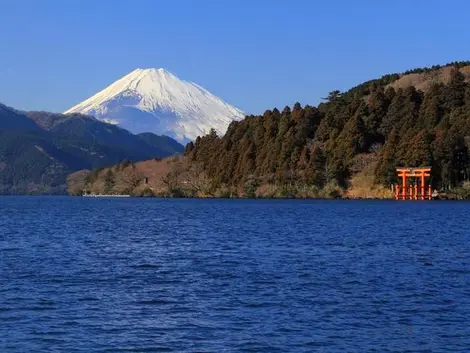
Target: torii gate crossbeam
x,y
419,190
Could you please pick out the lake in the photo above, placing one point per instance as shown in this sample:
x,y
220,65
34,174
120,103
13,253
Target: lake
x,y
163,275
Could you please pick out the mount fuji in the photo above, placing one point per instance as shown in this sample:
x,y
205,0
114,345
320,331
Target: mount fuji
x,y
155,100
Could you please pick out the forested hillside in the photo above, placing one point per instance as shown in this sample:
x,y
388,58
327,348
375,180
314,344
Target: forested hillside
x,y
89,128
328,143
39,149
352,140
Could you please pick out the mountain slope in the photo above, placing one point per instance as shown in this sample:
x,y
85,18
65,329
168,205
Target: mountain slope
x,y
155,100
39,149
12,119
163,143
90,128
349,145
39,161
366,132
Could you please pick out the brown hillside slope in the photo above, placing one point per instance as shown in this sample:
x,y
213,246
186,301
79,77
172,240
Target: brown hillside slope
x,y
174,176
423,81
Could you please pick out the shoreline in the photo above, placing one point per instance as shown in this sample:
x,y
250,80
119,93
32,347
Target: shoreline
x,y
259,198
230,198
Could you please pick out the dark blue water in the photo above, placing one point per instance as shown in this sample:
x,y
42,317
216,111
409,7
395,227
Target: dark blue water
x,y
148,275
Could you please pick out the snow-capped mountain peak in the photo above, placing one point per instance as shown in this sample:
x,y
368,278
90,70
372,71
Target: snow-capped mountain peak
x,y
155,100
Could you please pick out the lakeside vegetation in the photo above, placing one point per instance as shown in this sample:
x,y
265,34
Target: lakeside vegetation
x,y
348,146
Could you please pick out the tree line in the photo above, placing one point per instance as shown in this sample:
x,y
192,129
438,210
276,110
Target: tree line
x,y
320,145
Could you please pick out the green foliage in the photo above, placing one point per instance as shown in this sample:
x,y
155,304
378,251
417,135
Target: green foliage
x,y
109,182
250,187
456,64
463,191
93,176
147,192
317,146
333,95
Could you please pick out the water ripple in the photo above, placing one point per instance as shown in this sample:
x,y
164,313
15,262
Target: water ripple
x,y
139,275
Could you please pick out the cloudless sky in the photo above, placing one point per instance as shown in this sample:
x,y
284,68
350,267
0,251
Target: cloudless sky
x,y
255,54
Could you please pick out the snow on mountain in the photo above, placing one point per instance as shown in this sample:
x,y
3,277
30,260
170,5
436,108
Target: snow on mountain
x,y
155,100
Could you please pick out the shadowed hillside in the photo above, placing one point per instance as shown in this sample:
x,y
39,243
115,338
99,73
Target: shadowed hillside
x,y
39,149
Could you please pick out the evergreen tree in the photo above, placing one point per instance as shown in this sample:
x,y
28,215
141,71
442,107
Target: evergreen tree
x,y
317,145
109,181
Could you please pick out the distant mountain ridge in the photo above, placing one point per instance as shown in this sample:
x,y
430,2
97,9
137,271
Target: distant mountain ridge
x,y
13,119
39,149
90,128
155,100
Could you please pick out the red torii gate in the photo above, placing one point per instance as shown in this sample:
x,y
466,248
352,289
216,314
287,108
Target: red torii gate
x,y
407,191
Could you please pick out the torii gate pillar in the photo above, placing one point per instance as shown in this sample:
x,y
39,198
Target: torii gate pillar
x,y
422,191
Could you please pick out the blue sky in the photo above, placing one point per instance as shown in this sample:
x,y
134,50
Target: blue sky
x,y
255,54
